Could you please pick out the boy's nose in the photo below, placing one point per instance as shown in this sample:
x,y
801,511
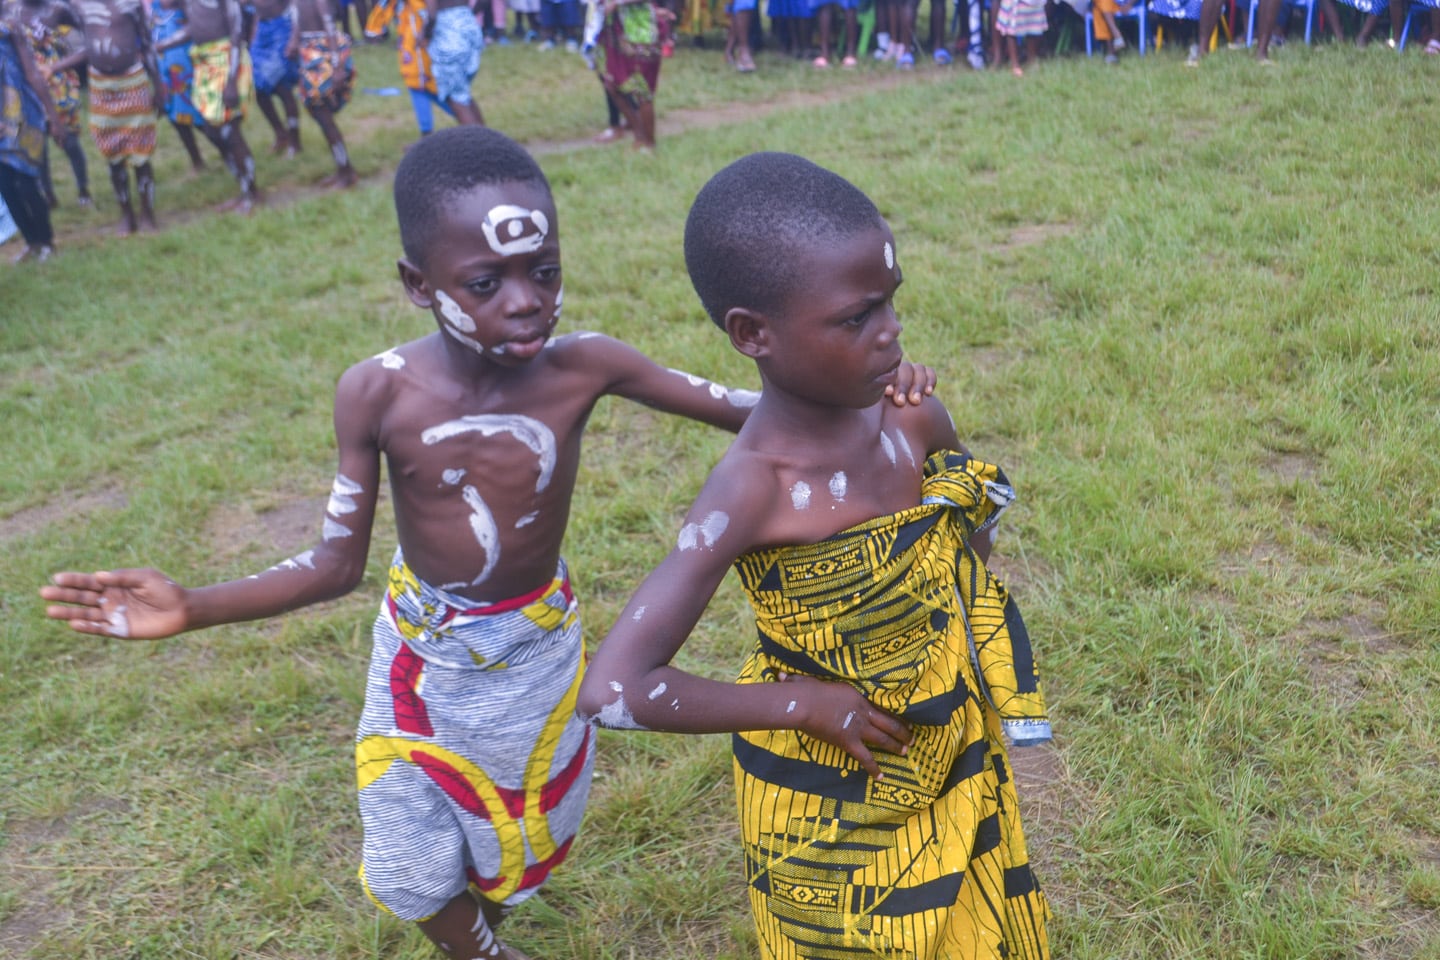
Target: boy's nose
x,y
521,299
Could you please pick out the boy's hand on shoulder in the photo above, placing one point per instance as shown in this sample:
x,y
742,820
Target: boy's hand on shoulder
x,y
838,714
913,383
138,604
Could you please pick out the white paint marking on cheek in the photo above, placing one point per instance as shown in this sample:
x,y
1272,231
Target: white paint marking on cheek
x,y
527,430
905,447
800,495
470,342
655,694
889,256
638,614
452,311
482,524
848,717
838,484
888,446
335,530
559,303
390,360
526,520
452,476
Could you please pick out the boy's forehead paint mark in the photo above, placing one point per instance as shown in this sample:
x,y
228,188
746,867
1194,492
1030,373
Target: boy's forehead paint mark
x,y
527,430
511,230
889,256
453,312
800,495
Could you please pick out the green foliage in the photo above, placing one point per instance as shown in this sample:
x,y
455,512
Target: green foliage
x,y
1191,312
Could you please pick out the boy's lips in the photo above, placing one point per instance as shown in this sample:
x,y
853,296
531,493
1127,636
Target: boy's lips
x,y
525,348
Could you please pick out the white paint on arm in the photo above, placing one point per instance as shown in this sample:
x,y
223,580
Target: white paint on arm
x,y
342,496
705,533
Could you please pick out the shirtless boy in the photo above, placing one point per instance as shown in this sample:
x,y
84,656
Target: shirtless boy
x,y
469,711
213,29
125,97
877,811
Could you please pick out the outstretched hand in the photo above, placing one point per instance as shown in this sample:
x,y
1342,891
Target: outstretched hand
x,y
141,604
913,383
839,715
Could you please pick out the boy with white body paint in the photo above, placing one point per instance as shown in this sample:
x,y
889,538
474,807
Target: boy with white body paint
x,y
473,768
878,813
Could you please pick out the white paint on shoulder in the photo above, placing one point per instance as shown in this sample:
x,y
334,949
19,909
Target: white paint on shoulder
x,y
905,447
705,533
527,430
389,359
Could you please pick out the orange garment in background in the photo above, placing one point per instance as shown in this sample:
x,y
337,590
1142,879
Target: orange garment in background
x,y
409,17
1102,29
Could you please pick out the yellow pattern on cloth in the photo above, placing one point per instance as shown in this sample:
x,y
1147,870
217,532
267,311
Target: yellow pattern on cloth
x,y
930,861
211,62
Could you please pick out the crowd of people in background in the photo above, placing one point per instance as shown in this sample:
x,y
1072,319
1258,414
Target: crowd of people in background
x,y
197,63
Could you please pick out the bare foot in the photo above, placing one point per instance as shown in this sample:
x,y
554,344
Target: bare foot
x,y
508,952
1017,71
149,226
124,228
342,179
609,135
282,145
84,200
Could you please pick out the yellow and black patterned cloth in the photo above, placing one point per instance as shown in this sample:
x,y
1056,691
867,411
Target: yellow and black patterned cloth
x,y
930,860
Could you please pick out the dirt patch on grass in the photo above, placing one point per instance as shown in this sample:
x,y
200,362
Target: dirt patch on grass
x,y
1029,234
1292,467
29,885
33,520
1340,653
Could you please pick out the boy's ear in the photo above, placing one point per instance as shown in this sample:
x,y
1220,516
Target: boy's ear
x,y
415,286
749,332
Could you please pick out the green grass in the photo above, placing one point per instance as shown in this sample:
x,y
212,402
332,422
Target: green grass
x,y
1193,313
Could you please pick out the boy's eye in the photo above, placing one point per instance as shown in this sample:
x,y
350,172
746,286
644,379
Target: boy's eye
x,y
483,287
859,318
547,274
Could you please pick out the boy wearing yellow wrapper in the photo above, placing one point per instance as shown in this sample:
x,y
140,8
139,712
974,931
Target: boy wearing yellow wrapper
x,y
877,806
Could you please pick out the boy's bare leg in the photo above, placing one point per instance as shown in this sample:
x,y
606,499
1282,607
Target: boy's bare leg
x,y
645,129
76,153
467,112
344,175
145,187
464,929
120,182
744,60
186,133
1269,13
232,146
287,132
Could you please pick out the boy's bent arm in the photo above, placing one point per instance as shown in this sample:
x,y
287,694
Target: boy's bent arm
x,y
145,603
631,374
631,684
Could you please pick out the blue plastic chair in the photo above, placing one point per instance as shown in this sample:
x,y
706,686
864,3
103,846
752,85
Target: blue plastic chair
x,y
1137,12
1417,9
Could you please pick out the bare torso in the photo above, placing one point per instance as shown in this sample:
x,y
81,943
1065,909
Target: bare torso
x,y
209,20
115,34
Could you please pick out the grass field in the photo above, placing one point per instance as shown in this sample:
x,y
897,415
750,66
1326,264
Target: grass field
x,y
1192,312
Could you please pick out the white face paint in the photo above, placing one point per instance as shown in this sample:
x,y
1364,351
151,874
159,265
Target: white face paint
x,y
527,430
705,533
800,495
452,476
888,447
559,302
334,530
453,312
482,524
390,360
889,256
655,694
526,520
837,485
342,496
510,229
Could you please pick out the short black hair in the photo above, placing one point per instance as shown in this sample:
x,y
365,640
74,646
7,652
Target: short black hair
x,y
448,162
745,223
